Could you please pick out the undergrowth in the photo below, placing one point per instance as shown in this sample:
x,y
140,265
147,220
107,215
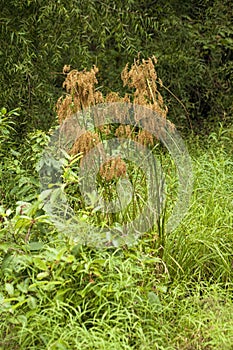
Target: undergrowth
x,y
56,294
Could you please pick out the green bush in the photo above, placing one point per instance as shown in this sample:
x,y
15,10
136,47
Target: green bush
x,y
18,174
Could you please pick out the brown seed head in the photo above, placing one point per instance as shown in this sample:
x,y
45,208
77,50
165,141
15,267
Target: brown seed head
x,y
113,169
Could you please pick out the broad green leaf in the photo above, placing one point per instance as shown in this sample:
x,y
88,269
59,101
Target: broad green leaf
x,y
61,253
9,288
22,319
35,245
69,258
42,275
40,264
59,345
23,286
3,111
32,302
5,246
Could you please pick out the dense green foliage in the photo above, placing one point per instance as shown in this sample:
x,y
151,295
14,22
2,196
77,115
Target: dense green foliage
x,y
56,294
193,42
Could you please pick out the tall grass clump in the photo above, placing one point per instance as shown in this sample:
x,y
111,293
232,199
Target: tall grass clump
x,y
202,247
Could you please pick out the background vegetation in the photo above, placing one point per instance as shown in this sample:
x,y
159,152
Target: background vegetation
x,y
193,41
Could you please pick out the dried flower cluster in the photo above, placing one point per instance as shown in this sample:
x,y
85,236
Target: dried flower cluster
x,y
113,169
85,143
81,94
142,77
80,87
143,137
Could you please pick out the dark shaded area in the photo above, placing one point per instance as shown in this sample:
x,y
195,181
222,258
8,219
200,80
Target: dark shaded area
x,y
192,40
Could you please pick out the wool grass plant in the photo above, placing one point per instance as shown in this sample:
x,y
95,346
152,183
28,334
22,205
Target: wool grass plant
x,y
82,94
